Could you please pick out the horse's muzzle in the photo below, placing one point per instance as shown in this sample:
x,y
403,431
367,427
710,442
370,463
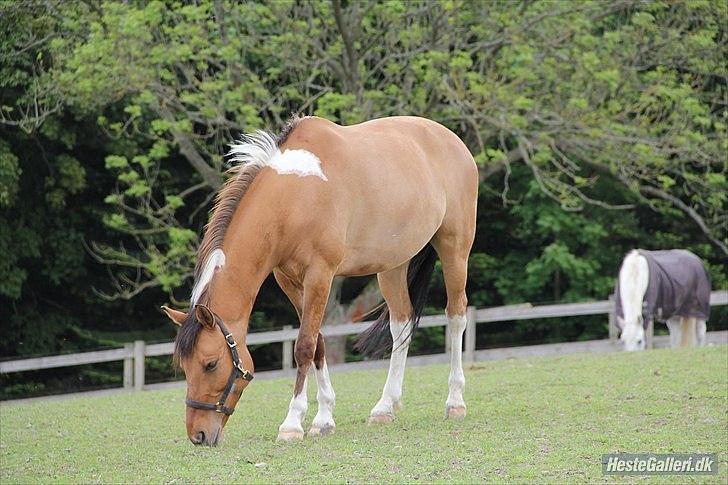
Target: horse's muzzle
x,y
202,438
198,439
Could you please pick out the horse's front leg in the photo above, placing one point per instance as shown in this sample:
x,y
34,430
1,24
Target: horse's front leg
x,y
675,330
323,422
316,287
700,330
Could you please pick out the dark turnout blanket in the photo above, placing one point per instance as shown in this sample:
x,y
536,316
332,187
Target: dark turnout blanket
x,y
679,285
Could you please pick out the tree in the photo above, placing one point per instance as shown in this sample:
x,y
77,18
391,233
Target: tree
x,y
632,91
550,85
574,109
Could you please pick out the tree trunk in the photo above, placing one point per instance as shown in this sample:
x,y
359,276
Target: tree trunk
x,y
210,176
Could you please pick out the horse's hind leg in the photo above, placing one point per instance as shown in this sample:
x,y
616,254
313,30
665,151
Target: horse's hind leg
x,y
453,250
700,330
688,332
393,285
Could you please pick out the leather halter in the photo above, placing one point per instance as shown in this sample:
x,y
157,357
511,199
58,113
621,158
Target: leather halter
x,y
237,372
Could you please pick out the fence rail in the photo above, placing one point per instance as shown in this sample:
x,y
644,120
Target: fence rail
x,y
133,354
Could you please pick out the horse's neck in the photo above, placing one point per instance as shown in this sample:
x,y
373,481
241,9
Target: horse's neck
x,y
634,278
235,286
251,251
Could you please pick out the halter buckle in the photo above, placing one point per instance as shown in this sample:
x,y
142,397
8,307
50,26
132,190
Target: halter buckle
x,y
246,374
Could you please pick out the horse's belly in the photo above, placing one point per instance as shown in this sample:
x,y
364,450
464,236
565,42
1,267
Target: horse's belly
x,y
387,257
384,241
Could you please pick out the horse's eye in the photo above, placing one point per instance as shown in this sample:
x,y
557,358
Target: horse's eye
x,y
211,366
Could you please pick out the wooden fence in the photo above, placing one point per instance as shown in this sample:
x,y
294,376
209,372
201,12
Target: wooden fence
x,y
133,354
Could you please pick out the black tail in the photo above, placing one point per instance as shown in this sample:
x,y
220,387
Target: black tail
x,y
376,341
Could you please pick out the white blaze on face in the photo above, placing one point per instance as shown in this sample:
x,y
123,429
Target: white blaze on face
x,y
633,337
297,162
214,261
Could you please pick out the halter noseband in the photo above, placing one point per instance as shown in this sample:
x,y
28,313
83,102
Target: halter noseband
x,y
238,371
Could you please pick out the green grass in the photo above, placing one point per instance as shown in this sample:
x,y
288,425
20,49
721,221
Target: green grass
x,y
541,419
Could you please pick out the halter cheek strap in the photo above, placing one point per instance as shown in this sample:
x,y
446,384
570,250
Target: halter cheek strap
x,y
237,372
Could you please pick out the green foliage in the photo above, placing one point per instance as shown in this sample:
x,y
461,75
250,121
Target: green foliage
x,y
9,175
20,243
69,178
577,93
596,127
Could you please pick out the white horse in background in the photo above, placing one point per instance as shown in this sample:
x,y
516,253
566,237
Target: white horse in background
x,y
676,291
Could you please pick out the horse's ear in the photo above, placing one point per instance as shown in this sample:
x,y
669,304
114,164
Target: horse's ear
x,y
205,316
176,316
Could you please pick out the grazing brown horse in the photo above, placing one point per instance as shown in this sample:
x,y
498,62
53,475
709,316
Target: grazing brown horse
x,y
318,201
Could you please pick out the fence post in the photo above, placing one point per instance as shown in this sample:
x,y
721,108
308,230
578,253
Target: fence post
x,y
650,333
470,335
287,352
129,367
612,320
139,348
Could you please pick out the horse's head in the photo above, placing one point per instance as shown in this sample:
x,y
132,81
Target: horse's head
x,y
217,371
633,333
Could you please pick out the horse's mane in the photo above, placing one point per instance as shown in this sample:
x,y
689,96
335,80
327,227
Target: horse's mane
x,y
250,155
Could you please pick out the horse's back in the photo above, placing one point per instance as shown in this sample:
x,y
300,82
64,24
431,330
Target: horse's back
x,y
393,145
679,283
394,182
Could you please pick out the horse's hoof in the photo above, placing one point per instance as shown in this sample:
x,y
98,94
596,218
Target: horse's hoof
x,y
322,431
455,412
380,419
289,435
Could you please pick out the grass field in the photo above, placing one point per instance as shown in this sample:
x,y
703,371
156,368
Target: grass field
x,y
542,419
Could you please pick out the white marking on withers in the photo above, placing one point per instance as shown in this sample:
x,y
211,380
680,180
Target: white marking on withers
x,y
260,148
457,378
324,419
392,393
214,261
296,412
634,276
297,162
